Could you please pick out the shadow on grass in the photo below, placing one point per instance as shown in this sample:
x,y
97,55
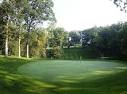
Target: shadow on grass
x,y
111,84
13,83
17,84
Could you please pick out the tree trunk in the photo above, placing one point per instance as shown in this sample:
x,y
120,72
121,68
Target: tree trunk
x,y
6,46
27,50
19,48
27,45
6,39
19,41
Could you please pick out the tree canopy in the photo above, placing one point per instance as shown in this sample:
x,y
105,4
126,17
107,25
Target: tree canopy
x,y
122,4
23,15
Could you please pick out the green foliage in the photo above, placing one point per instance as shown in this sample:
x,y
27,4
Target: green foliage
x,y
73,53
49,53
122,4
75,38
54,53
79,53
38,43
57,37
57,52
107,41
56,41
24,15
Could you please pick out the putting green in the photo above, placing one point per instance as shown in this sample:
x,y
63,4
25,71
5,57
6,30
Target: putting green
x,y
70,71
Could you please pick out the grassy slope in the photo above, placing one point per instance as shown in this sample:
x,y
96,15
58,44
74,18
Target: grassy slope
x,y
13,83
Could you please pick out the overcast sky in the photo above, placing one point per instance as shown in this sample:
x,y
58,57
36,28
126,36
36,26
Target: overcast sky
x,y
1,1
82,14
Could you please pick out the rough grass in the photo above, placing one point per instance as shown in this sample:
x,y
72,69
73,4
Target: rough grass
x,y
62,77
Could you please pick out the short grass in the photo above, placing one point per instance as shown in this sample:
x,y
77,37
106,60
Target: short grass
x,y
79,77
18,76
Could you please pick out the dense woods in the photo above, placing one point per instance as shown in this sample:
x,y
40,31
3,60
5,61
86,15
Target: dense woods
x,y
96,42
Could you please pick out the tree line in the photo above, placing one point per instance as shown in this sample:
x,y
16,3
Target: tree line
x,y
18,18
108,41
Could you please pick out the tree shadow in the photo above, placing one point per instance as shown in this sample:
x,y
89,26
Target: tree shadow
x,y
111,84
106,83
13,83
18,84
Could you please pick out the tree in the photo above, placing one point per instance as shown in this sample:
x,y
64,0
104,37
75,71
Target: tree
x,y
18,20
38,43
123,40
122,4
56,41
35,12
65,39
88,36
6,13
75,38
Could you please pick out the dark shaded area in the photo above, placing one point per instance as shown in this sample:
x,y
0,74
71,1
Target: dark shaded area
x,y
113,84
13,83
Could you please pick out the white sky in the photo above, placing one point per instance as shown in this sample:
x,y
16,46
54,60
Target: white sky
x,y
82,14
1,1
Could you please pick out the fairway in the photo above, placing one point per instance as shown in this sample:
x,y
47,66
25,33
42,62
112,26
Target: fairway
x,y
78,77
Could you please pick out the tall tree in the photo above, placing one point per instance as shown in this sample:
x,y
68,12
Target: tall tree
x,y
6,15
75,38
18,10
36,11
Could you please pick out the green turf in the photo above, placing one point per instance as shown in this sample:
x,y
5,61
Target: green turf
x,y
58,70
18,76
79,77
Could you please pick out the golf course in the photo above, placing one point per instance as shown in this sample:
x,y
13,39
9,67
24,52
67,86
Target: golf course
x,y
21,76
63,46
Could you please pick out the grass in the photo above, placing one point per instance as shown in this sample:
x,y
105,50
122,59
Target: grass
x,y
13,83
18,76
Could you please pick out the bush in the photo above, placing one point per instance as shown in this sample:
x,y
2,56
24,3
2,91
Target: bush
x,y
49,53
55,52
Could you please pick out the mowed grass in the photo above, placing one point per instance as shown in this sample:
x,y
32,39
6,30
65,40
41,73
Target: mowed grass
x,y
79,77
21,76
13,83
